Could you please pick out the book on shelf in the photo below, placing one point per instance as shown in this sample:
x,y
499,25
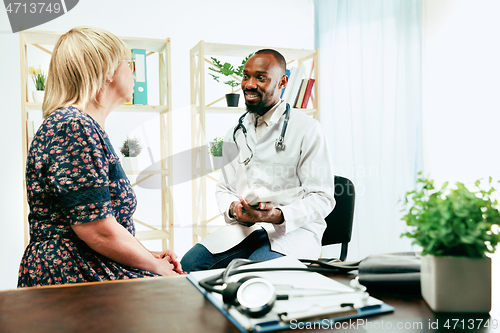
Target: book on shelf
x,y
283,89
307,94
293,87
30,132
288,87
141,84
300,96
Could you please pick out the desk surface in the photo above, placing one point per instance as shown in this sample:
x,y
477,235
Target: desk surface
x,y
170,305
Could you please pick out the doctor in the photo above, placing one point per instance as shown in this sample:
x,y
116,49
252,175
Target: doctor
x,y
256,164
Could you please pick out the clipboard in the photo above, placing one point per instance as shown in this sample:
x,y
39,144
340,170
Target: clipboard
x,y
285,314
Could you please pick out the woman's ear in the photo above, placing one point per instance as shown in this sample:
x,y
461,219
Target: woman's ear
x,y
109,78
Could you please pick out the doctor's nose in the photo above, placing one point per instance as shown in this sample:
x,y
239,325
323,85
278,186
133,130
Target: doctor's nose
x,y
249,84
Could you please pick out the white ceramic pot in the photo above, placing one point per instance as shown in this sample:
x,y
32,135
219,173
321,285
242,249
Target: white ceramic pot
x,y
38,96
217,162
130,163
456,284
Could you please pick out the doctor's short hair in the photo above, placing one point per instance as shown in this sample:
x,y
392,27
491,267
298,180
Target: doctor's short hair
x,y
81,61
278,56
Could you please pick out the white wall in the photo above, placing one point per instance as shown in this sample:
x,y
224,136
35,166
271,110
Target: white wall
x,y
259,22
11,169
461,89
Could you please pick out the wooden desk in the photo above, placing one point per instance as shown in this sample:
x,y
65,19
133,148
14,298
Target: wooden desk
x,y
165,305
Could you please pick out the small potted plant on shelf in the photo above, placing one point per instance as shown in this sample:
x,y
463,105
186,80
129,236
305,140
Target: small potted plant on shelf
x,y
229,70
215,150
39,79
456,228
130,149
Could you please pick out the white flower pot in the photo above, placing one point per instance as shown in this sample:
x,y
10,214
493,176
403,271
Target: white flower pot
x,y
456,284
38,96
216,162
130,163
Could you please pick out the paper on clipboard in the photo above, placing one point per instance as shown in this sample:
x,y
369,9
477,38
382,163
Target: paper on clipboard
x,y
325,304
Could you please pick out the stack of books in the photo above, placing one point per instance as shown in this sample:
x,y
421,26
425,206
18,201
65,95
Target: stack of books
x,y
298,90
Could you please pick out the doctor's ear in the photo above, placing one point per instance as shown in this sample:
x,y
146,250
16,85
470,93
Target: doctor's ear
x,y
283,81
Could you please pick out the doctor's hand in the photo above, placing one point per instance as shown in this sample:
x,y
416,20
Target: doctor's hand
x,y
265,213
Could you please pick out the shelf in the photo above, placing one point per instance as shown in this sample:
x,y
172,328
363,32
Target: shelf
x,y
51,37
123,108
143,108
159,171
244,50
309,112
199,57
222,109
234,110
151,45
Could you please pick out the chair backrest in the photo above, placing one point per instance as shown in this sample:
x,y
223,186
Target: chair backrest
x,y
339,221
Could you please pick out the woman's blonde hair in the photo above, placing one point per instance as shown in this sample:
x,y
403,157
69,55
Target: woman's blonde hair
x,y
81,60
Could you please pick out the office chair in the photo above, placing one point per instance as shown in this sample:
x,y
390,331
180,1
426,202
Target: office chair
x,y
339,221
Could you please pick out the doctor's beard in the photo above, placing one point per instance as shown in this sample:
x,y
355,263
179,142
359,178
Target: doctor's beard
x,y
264,99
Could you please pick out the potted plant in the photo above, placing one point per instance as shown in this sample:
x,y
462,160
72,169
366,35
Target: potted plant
x,y
130,149
215,150
229,70
39,79
455,227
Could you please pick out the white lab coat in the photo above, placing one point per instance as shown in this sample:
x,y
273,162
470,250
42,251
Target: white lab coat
x,y
304,162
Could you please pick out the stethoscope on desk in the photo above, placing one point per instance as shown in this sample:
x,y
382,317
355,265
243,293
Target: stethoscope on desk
x,y
255,296
279,142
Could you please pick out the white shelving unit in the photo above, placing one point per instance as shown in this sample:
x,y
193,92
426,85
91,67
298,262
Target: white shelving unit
x,y
199,58
42,39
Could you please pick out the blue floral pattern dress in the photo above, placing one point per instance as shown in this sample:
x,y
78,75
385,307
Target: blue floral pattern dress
x,y
73,176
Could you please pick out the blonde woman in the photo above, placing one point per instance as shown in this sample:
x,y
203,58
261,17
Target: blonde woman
x,y
81,202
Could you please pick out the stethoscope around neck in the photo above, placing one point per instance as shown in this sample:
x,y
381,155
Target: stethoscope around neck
x,y
279,142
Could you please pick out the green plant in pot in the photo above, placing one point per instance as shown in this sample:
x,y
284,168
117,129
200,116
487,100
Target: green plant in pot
x,y
130,149
455,227
232,73
39,80
215,150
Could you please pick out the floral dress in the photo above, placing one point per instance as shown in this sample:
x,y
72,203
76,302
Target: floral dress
x,y
73,176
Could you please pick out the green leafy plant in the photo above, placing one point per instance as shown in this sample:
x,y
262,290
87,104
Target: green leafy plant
x,y
216,147
38,77
452,222
226,69
131,147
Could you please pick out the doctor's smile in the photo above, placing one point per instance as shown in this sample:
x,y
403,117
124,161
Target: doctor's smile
x,y
251,96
